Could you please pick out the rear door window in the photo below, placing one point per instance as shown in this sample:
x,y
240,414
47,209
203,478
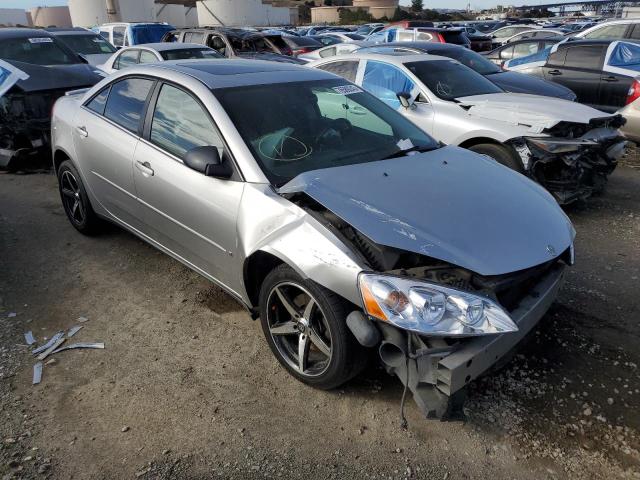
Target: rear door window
x,y
586,57
522,49
193,37
557,57
126,59
608,32
126,102
345,69
147,57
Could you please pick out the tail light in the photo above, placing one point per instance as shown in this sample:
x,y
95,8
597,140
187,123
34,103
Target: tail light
x,y
441,38
634,92
300,51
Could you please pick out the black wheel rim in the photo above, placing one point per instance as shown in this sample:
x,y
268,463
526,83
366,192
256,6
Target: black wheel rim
x,y
71,198
299,329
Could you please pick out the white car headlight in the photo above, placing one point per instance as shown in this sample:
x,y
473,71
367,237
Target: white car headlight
x,y
431,309
559,145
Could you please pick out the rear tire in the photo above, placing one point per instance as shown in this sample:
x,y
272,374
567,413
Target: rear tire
x,y
501,154
333,354
75,200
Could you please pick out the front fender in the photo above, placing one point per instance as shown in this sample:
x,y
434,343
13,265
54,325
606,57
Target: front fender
x,y
268,222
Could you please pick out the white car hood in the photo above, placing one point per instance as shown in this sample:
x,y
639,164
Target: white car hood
x,y
534,112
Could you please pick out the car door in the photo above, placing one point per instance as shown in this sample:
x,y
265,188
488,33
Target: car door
x,y
580,71
190,214
107,128
386,81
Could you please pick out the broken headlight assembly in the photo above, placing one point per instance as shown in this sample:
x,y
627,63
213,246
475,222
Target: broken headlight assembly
x,y
558,145
431,309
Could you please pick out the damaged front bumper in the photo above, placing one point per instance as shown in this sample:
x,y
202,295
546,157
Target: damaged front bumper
x,y
572,164
436,371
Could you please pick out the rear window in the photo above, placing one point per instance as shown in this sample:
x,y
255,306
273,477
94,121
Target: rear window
x,y
190,53
303,42
87,44
450,80
471,59
459,38
126,102
36,50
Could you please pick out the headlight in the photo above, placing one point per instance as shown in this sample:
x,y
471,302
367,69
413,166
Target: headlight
x,y
430,308
559,145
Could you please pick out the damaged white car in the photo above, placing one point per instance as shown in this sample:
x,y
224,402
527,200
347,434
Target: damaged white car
x,y
569,148
333,218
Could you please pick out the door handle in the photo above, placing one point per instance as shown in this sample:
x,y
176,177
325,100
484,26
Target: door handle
x,y
554,72
82,131
145,168
610,78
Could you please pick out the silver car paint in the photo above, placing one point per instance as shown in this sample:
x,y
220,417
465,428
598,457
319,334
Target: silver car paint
x,y
448,122
465,227
255,217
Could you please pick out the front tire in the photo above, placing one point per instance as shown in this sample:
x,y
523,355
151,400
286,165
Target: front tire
x,y
75,200
501,154
305,326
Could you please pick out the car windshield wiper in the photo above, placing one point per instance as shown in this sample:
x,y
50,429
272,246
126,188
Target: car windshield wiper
x,y
404,152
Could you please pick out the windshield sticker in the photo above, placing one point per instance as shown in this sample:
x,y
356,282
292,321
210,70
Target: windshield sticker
x,y
405,144
41,40
347,89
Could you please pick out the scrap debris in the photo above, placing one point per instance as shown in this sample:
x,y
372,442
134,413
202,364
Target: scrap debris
x,y
73,330
97,345
29,338
51,341
37,373
54,345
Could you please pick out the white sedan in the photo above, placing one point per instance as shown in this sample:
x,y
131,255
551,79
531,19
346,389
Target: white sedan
x,y
567,147
156,52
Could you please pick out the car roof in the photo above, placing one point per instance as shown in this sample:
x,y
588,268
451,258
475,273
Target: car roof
x,y
394,59
418,45
6,33
228,31
70,31
166,46
225,73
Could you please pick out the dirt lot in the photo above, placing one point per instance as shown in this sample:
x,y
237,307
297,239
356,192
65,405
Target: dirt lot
x,y
187,388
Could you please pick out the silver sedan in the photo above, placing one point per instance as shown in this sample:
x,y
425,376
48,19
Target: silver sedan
x,y
330,216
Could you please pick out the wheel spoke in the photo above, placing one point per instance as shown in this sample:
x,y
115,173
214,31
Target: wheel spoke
x,y
287,304
285,328
319,342
67,193
74,209
80,210
308,310
303,352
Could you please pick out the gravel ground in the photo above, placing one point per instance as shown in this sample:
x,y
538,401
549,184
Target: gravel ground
x,y
187,388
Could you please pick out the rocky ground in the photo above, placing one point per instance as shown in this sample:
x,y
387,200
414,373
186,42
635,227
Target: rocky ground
x,y
187,388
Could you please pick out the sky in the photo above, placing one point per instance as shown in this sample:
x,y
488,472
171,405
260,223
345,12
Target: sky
x,y
427,3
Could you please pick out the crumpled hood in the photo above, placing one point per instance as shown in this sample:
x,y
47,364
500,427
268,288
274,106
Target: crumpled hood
x,y
532,111
450,204
56,77
516,82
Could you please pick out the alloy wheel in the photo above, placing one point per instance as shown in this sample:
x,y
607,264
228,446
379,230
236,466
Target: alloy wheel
x,y
72,197
299,329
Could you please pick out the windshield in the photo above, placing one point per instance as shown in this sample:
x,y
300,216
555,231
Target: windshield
x,y
87,44
450,80
471,59
292,128
189,53
148,33
37,50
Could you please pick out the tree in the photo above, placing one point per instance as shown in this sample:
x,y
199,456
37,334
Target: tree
x,y
350,17
417,6
399,14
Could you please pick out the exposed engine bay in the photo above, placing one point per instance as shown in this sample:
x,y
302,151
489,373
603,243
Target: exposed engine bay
x,y
575,160
414,358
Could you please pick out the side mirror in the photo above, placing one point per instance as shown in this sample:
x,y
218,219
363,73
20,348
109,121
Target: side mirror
x,y
405,99
207,161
